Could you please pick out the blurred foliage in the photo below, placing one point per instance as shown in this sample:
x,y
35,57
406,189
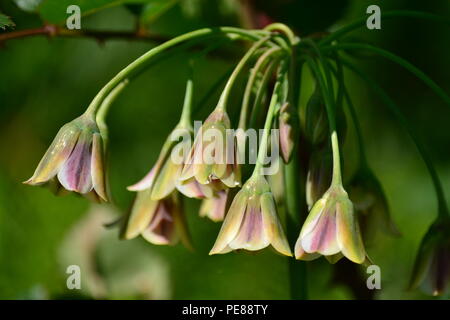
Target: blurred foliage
x,y
5,22
44,84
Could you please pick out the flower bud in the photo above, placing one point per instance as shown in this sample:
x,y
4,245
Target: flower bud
x,y
432,266
316,121
76,159
252,222
331,228
319,176
214,153
288,124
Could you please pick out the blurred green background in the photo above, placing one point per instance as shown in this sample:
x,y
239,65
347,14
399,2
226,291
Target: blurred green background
x,y
45,83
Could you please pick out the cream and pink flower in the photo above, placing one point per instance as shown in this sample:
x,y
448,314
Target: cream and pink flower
x,y
331,230
75,160
252,222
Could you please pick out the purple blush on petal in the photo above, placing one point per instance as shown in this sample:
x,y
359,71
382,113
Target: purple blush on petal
x,y
75,174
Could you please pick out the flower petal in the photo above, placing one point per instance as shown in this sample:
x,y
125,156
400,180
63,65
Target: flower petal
x,y
273,226
97,167
301,254
252,234
141,214
214,208
145,183
193,189
75,174
322,238
166,179
161,229
348,234
180,221
313,217
232,223
56,154
334,258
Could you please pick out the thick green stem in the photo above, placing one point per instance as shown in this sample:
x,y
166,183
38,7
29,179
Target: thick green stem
x,y
385,15
296,211
295,214
142,61
402,62
442,203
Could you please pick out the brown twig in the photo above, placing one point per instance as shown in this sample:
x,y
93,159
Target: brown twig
x,y
99,35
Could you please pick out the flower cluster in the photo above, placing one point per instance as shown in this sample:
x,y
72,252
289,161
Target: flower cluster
x,y
210,168
238,194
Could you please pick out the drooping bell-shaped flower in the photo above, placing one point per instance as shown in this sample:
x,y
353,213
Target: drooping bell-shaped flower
x,y
215,206
331,228
214,153
288,125
371,205
75,160
252,222
160,222
432,266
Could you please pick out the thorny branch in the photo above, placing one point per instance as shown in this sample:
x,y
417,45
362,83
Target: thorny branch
x,y
51,30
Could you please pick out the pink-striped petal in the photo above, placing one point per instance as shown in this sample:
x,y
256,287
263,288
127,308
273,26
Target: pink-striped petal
x,y
322,238
56,155
75,173
252,234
